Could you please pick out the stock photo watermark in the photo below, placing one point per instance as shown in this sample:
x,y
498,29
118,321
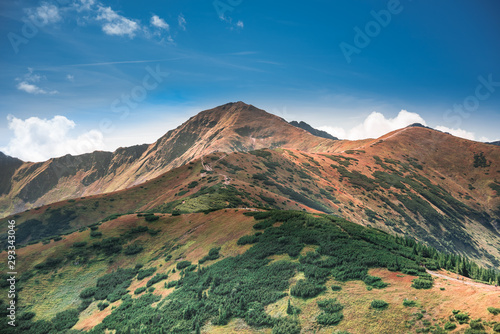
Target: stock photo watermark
x,y
222,7
123,107
471,103
371,29
31,27
11,273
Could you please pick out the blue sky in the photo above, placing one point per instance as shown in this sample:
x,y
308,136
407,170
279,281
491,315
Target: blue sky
x,y
83,75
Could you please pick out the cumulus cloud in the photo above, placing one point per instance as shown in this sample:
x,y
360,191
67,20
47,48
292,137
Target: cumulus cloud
x,y
240,24
38,139
44,14
28,84
458,132
115,24
375,125
158,22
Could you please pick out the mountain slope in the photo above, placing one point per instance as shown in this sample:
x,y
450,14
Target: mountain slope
x,y
283,270
228,128
408,182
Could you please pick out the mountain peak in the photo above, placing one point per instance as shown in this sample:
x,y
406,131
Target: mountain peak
x,y
313,131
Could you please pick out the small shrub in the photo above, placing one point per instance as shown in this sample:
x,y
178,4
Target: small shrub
x,y
88,292
102,305
409,303
336,288
329,319
95,234
183,264
79,244
139,290
133,249
494,310
419,283
462,318
449,326
306,289
65,320
379,304
330,305
151,218
143,273
496,328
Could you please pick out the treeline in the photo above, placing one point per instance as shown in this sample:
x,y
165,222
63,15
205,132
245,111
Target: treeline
x,y
451,262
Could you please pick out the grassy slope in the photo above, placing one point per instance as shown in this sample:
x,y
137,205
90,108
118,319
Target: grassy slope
x,y
191,236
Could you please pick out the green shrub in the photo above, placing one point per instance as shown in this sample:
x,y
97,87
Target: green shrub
x,y
27,316
418,283
95,234
494,310
330,305
65,320
213,254
133,249
286,326
409,303
139,290
449,326
143,273
247,239
102,305
336,288
375,282
329,319
379,304
462,318
157,278
496,328
306,289
88,292
183,264
79,244
151,218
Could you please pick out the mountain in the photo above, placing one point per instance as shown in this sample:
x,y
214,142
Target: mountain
x,y
413,182
237,221
497,143
313,131
228,128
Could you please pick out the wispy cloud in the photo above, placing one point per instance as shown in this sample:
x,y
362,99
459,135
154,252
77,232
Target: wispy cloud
x,y
182,22
240,24
28,84
158,22
44,14
115,24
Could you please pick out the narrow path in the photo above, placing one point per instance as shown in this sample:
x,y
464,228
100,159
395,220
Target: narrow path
x,y
467,281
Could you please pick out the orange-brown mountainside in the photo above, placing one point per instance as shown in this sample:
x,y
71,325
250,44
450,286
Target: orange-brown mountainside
x,y
228,128
417,182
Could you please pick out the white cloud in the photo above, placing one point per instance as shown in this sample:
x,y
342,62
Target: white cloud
x,y
240,24
44,14
376,125
458,132
70,77
27,84
182,22
116,24
38,139
158,22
